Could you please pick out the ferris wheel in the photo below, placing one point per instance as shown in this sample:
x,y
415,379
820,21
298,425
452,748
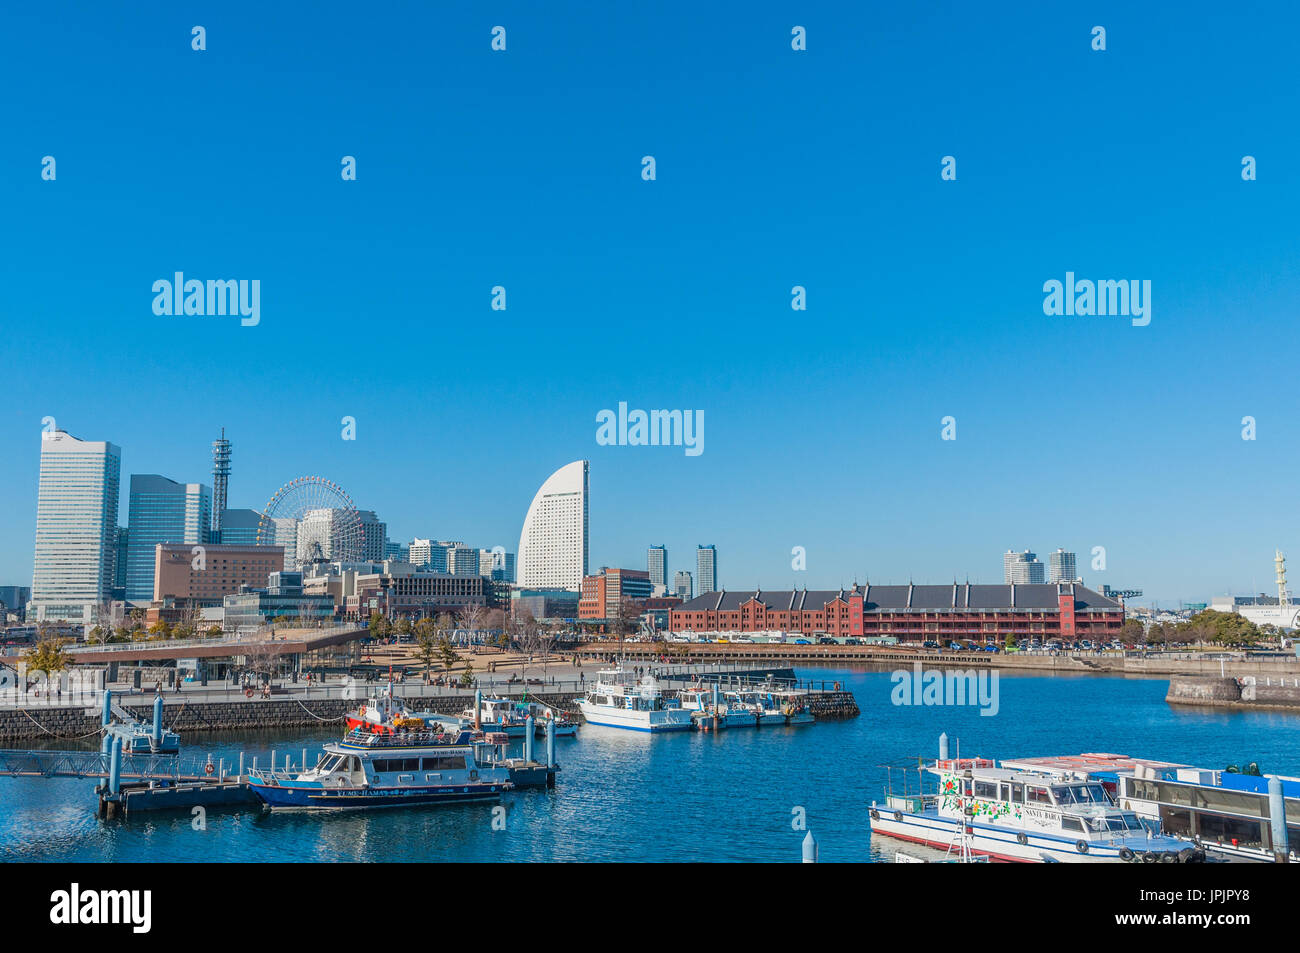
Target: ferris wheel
x,y
315,520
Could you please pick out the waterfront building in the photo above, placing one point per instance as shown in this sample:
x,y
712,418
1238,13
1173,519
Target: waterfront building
x,y
76,527
224,569
657,565
282,599
1062,567
706,569
1022,568
561,604
402,590
161,511
553,543
960,612
683,586
604,593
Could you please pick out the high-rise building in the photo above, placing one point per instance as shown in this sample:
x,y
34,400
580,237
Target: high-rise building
x,y
373,533
15,599
161,511
223,569
706,569
462,560
682,586
553,544
239,527
220,483
604,594
656,559
1061,567
76,526
1022,568
396,550
496,563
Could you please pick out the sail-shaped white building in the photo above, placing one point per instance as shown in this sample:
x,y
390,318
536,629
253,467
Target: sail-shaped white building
x,y
553,544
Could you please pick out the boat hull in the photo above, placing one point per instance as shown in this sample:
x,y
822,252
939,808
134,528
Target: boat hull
x,y
676,719
314,797
1007,844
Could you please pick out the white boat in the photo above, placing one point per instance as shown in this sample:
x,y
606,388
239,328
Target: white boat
x,y
618,699
1023,815
764,705
501,715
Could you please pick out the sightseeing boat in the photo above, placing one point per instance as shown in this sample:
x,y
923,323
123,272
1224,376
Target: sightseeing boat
x,y
385,713
1020,814
617,699
378,769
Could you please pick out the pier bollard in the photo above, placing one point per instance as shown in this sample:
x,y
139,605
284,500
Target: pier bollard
x,y
528,738
157,719
809,848
943,746
1277,820
106,743
107,716
115,767
550,742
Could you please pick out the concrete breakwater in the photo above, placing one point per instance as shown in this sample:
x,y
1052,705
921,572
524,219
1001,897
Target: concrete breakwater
x,y
1248,692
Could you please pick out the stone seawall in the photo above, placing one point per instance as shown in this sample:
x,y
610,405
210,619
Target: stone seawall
x,y
1241,693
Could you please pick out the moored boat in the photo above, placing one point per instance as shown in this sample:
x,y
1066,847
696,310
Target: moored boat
x,y
374,769
618,699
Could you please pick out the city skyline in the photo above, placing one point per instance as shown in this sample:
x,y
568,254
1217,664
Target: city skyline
x,y
798,579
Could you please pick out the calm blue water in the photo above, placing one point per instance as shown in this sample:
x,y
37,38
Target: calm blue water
x,y
683,797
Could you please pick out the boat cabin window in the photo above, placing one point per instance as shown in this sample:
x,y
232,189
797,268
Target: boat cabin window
x,y
396,764
1071,824
1036,795
1080,794
446,763
330,761
988,789
1016,792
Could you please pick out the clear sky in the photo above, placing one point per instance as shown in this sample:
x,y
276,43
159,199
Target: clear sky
x,y
775,168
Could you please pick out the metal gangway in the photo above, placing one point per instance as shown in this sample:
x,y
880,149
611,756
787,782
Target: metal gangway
x,y
98,764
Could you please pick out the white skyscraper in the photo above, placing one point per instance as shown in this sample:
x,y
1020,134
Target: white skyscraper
x,y
76,526
1021,568
657,564
1061,567
553,544
706,569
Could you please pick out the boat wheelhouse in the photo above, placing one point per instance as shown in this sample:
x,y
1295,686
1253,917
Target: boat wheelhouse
x,y
618,699
1015,814
501,715
371,770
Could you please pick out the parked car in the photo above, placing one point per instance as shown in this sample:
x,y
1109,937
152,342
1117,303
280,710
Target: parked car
x,y
990,647
955,646
852,641
930,644
826,640
802,642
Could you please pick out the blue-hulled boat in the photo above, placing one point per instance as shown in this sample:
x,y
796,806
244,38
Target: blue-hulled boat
x,y
368,770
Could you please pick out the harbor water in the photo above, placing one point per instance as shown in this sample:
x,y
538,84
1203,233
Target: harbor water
x,y
738,795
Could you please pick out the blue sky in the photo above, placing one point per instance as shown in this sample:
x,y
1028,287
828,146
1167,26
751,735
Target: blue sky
x,y
775,168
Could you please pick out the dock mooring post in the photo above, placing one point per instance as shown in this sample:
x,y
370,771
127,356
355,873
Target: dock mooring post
x,y
107,717
478,709
528,738
550,742
157,719
115,767
809,848
241,765
1277,820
